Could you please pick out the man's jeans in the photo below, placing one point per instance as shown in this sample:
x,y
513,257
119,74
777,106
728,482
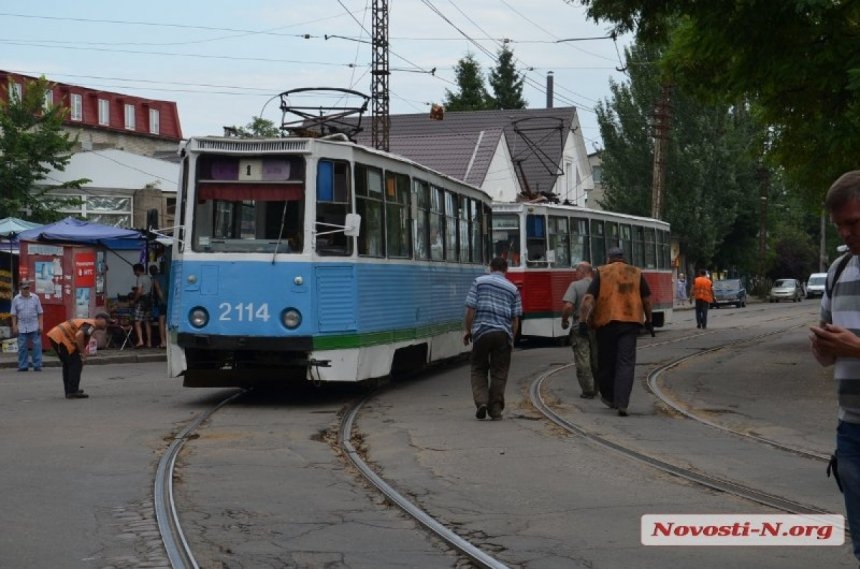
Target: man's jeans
x,y
25,338
848,454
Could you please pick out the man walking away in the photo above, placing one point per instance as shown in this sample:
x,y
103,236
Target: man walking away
x,y
703,292
620,301
493,311
27,322
835,340
583,340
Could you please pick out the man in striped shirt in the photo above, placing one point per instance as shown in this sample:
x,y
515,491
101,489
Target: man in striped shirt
x,y
836,340
27,322
493,311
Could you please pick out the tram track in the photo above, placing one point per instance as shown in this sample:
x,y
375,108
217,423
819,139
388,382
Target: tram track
x,y
689,474
179,550
181,555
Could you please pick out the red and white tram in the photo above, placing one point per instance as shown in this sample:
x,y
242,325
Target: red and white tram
x,y
543,242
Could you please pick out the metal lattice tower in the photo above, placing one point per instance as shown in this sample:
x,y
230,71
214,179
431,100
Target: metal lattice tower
x,y
381,121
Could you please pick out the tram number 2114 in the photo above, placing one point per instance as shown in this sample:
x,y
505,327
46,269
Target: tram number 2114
x,y
243,312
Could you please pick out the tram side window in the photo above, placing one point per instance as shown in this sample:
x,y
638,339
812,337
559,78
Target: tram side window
x,y
664,250
437,223
451,251
369,205
579,249
598,241
506,237
397,215
639,246
612,237
650,248
558,241
465,257
421,238
625,239
333,203
475,223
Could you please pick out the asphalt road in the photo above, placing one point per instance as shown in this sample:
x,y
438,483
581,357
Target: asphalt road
x,y
261,486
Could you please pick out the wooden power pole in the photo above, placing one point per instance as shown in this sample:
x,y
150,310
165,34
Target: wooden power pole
x,y
662,134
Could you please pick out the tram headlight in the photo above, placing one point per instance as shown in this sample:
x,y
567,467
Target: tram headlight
x,y
291,318
198,317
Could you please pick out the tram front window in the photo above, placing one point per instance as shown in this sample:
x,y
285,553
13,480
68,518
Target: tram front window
x,y
249,204
249,226
506,238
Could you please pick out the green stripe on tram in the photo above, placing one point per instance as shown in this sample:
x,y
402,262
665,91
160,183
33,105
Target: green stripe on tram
x,y
352,341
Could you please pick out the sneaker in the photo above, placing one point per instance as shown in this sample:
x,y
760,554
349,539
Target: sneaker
x,y
22,369
587,395
481,412
37,369
622,411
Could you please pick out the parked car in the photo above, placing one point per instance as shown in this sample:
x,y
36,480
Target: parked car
x,y
815,284
786,289
729,291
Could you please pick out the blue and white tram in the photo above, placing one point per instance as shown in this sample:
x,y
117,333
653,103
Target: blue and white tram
x,y
318,259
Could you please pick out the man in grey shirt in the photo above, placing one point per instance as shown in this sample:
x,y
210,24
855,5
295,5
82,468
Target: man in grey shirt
x,y
583,339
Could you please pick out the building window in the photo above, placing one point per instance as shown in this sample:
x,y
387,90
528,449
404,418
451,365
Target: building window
x,y
104,112
77,107
49,100
16,92
107,210
129,117
153,121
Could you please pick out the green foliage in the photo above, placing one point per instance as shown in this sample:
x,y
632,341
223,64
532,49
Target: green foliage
x,y
712,187
797,61
32,142
257,128
472,95
507,84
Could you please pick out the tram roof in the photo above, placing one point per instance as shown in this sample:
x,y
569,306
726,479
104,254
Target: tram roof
x,y
550,208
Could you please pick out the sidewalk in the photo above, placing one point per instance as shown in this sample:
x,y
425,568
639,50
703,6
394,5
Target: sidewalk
x,y
9,360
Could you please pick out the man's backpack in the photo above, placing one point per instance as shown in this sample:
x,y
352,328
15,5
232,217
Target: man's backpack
x,y
840,266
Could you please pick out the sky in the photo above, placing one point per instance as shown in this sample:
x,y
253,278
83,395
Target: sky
x,y
224,63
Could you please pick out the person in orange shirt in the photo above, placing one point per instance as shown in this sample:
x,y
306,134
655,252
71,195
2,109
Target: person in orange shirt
x,y
703,292
69,340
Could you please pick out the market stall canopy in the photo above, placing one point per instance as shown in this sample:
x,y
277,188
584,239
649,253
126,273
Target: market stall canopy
x,y
12,226
71,230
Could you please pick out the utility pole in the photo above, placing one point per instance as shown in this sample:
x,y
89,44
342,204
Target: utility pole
x,y
662,134
380,72
764,196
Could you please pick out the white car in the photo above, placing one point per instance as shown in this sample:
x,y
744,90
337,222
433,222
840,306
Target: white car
x,y
815,285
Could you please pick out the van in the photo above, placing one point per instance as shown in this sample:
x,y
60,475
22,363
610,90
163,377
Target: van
x,y
815,285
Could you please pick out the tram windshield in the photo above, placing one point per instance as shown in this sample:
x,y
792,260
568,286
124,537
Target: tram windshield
x,y
249,205
506,238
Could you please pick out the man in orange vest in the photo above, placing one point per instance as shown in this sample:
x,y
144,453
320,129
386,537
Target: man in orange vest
x,y
69,340
617,304
703,292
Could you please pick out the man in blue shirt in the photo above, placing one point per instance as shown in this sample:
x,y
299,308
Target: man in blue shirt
x,y
27,324
493,311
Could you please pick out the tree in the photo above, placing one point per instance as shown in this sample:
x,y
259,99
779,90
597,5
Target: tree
x,y
507,84
712,190
796,61
32,143
257,128
472,95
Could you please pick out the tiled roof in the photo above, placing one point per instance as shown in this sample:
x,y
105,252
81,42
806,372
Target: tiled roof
x,y
535,138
